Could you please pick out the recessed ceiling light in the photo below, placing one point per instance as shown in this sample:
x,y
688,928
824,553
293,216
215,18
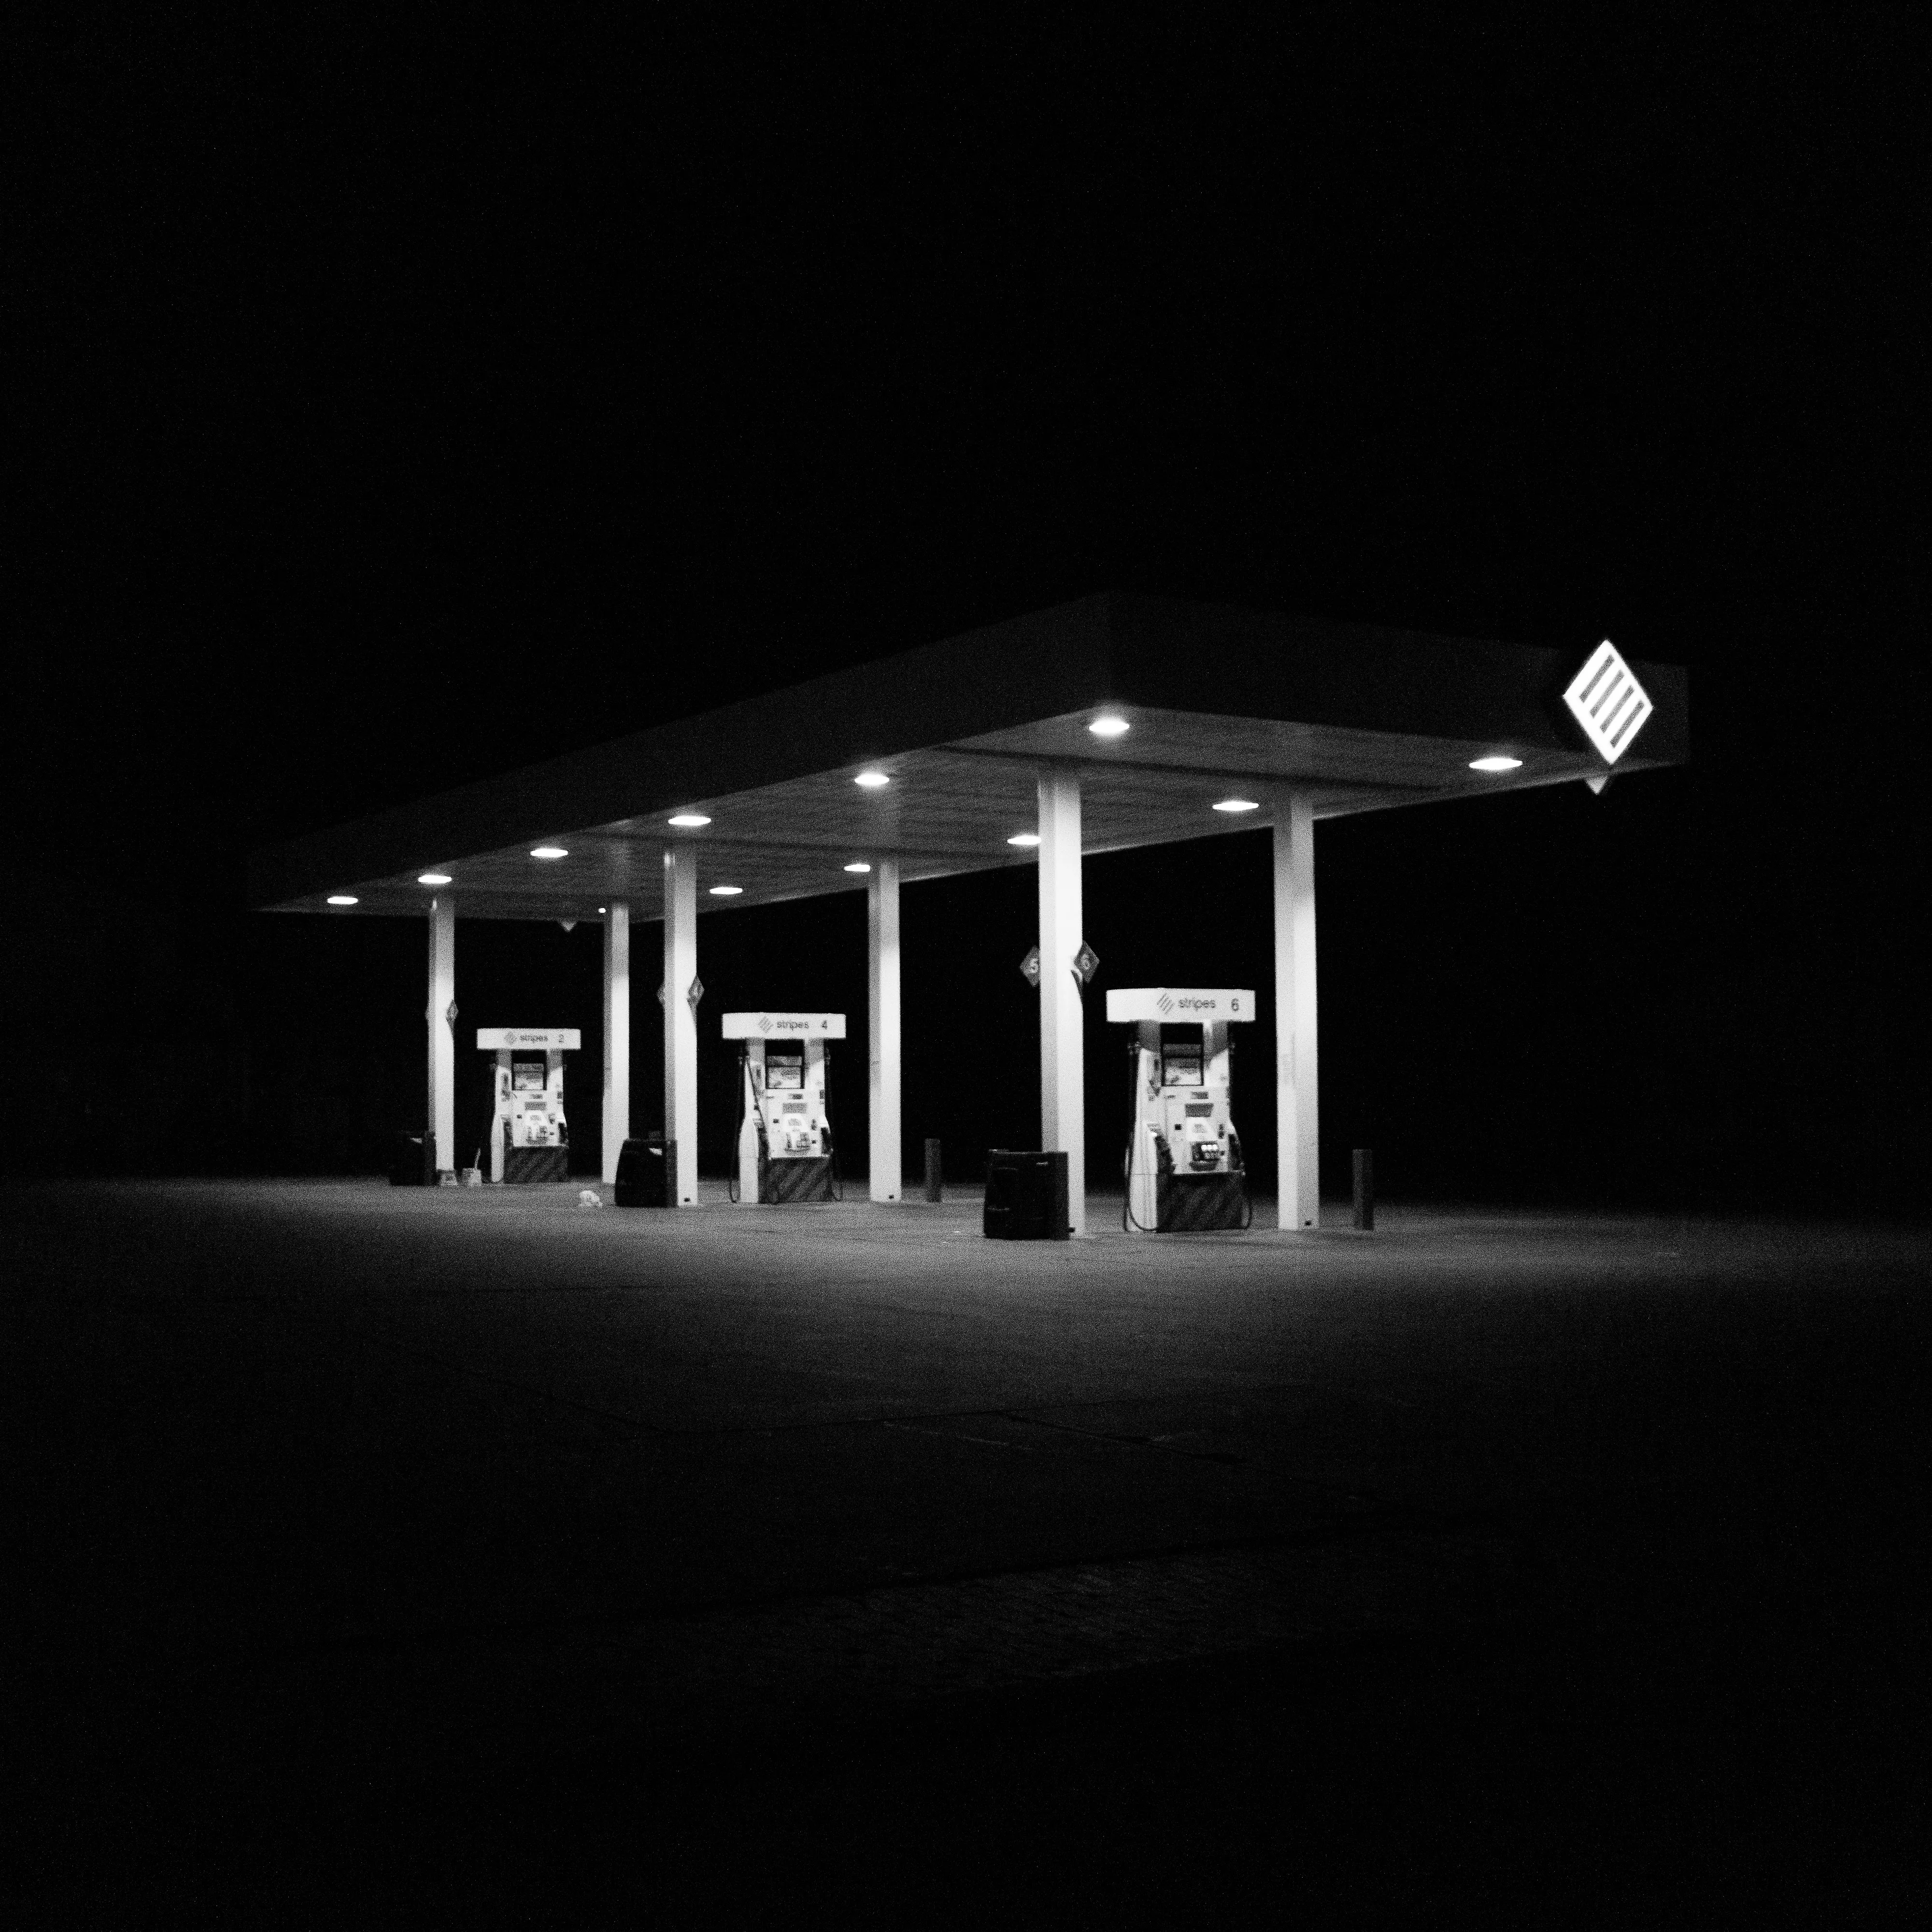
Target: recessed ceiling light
x,y
1498,764
1109,727
1023,838
726,891
1237,805
603,908
858,868
432,878
692,819
871,781
548,852
343,898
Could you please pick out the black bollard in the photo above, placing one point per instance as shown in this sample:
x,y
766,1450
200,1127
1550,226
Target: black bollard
x,y
935,1189
1365,1188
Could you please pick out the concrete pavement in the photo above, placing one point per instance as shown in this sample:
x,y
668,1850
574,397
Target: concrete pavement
x,y
329,1488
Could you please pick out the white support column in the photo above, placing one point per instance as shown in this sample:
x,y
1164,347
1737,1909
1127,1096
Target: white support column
x,y
500,1114
617,1033
441,1014
680,1019
1298,1093
1062,1113
882,990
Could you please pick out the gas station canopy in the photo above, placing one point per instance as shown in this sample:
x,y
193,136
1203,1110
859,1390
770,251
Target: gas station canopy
x,y
1223,708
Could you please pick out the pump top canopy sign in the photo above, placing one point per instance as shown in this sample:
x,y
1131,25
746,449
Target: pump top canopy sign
x,y
534,1039
785,1026
1178,1004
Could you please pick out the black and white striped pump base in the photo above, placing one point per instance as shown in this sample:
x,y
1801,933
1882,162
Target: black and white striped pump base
x,y
1186,1204
784,1179
533,1164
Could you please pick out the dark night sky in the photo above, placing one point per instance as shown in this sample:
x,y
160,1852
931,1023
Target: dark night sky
x,y
385,408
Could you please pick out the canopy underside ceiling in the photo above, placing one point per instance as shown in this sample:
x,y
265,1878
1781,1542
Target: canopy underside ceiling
x,y
953,807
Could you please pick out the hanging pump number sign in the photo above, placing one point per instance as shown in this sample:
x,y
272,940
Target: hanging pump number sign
x,y
1086,964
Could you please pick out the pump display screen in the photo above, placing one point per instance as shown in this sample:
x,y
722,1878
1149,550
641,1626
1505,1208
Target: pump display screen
x,y
784,1073
1183,1066
526,1076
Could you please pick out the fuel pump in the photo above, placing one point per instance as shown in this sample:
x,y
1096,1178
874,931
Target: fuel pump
x,y
530,1137
785,1148
1184,1171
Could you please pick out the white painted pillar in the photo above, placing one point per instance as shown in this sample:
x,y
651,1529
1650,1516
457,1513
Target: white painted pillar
x,y
617,1033
441,1014
499,1118
885,1154
1062,1113
680,1019
1298,1094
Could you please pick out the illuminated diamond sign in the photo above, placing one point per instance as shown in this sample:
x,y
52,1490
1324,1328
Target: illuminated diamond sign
x,y
1606,699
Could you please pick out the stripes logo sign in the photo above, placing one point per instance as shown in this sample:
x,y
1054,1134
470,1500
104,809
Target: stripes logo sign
x,y
1606,699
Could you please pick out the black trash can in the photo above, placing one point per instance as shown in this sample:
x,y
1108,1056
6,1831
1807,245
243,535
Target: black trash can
x,y
647,1173
1026,1197
412,1161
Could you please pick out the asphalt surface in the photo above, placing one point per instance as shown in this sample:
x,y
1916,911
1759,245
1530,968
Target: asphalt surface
x,y
403,1556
